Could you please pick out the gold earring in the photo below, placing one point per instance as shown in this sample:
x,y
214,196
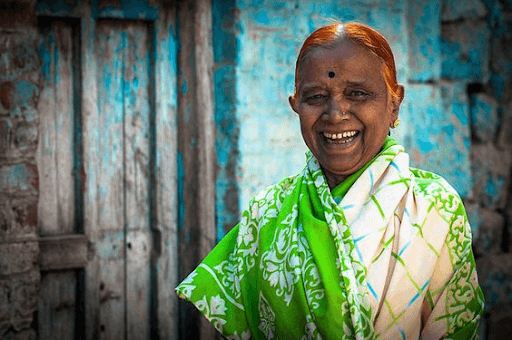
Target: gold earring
x,y
396,123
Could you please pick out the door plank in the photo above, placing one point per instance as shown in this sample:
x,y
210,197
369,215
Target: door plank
x,y
57,305
111,187
110,46
55,147
196,145
137,110
138,245
63,252
90,123
165,254
55,157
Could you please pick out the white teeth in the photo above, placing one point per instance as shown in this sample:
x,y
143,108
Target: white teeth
x,y
340,135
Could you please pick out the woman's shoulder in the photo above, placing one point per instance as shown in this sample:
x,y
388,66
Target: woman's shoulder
x,y
278,189
434,189
270,199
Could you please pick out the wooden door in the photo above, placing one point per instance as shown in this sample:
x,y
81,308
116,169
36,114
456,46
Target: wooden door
x,y
107,164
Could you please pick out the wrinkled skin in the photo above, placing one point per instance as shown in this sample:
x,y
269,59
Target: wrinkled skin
x,y
358,88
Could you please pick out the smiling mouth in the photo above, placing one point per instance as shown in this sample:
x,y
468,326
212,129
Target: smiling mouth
x,y
340,138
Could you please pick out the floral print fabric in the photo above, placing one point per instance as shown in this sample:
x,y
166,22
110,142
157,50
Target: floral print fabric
x,y
387,257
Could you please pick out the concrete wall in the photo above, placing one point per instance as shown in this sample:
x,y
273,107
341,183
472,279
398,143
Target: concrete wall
x,y
19,180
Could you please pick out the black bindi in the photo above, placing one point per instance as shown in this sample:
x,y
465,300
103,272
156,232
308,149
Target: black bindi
x,y
331,74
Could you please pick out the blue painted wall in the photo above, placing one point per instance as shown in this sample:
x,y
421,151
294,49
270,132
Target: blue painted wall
x,y
258,135
441,49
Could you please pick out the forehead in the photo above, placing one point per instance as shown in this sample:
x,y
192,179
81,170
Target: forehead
x,y
346,59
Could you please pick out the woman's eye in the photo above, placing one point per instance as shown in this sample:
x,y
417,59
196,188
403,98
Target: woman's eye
x,y
316,98
358,94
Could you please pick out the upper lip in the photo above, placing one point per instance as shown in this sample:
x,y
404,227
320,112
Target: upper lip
x,y
340,134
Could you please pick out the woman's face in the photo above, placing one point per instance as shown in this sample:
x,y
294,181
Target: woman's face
x,y
347,79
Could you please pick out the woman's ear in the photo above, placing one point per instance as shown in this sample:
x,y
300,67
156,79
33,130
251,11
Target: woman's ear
x,y
293,103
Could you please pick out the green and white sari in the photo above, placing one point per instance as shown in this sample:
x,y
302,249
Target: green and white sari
x,y
386,254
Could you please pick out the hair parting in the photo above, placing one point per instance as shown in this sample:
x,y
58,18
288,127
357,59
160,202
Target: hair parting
x,y
330,36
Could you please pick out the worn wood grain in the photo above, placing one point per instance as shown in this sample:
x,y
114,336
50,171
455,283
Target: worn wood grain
x,y
196,145
137,113
128,175
206,140
109,52
55,147
57,305
189,229
55,157
165,253
63,252
90,122
206,126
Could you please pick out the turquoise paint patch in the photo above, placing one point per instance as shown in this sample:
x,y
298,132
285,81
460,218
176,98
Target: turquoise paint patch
x,y
425,145
56,55
46,56
261,17
26,95
184,87
103,191
498,84
61,7
227,32
14,178
460,111
126,9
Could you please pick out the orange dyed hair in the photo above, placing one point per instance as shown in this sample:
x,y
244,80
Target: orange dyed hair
x,y
330,36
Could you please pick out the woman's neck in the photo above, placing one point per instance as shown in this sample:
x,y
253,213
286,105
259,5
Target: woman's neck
x,y
334,180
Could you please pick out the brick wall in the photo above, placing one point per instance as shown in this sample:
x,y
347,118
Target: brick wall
x,y
19,181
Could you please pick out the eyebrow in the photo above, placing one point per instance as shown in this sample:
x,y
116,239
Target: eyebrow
x,y
307,89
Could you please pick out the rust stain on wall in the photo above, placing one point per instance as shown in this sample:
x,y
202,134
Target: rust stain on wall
x,y
7,94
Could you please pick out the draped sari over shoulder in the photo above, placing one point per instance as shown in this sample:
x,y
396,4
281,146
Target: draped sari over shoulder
x,y
386,254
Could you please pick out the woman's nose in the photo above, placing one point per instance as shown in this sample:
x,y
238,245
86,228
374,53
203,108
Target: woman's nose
x,y
337,110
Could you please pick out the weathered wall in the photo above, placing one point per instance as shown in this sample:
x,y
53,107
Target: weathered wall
x,y
19,181
454,59
476,42
267,39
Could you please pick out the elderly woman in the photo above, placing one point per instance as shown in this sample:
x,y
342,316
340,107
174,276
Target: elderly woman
x,y
358,245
